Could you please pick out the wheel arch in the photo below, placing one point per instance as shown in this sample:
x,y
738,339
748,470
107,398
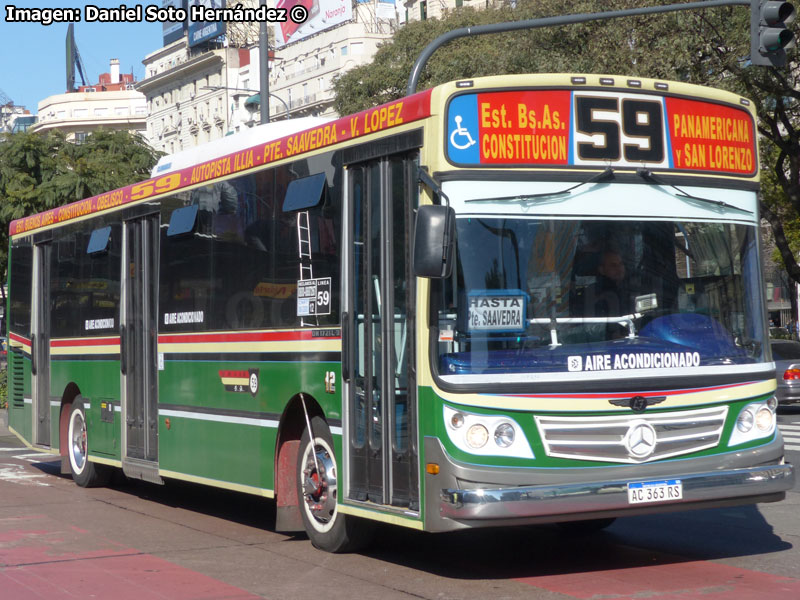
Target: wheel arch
x,y
290,430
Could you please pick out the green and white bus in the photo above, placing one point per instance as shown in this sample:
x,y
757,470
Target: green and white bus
x,y
501,301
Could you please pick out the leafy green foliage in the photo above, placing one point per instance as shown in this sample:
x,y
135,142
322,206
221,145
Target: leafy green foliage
x,y
42,171
647,46
707,47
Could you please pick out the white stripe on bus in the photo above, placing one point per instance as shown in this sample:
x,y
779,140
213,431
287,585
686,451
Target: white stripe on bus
x,y
219,418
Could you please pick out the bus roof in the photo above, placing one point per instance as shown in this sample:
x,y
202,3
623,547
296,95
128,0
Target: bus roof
x,y
269,145
234,143
686,108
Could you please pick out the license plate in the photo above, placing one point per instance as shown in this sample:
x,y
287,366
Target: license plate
x,y
655,491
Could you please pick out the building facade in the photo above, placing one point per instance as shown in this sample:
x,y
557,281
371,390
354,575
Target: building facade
x,y
302,73
112,103
198,94
15,118
193,95
419,10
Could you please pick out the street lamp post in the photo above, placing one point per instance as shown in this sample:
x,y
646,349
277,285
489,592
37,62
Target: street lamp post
x,y
263,51
262,103
234,89
795,321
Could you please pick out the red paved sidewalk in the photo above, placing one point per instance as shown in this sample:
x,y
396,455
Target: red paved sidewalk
x,y
41,558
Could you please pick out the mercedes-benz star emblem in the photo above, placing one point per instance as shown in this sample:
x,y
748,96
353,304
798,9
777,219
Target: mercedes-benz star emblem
x,y
640,441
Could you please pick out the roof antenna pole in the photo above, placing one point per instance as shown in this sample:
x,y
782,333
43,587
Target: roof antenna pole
x,y
74,60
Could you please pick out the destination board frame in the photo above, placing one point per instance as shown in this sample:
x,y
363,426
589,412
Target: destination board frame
x,y
669,163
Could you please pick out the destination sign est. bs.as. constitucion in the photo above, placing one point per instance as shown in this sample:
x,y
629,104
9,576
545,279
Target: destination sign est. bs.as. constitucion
x,y
152,13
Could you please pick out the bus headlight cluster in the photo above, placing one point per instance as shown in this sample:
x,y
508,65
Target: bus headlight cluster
x,y
504,435
772,404
477,436
486,435
756,420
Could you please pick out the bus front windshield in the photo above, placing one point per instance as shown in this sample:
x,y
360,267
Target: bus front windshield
x,y
531,296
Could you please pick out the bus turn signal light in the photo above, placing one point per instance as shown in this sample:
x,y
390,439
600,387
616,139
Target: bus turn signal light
x,y
432,469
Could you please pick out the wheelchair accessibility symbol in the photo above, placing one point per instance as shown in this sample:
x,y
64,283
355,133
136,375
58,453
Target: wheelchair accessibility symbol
x,y
461,134
463,130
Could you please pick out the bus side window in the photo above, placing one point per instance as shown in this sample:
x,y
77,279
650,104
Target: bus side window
x,y
185,264
21,267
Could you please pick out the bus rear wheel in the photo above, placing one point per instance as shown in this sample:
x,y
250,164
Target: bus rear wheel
x,y
317,490
84,472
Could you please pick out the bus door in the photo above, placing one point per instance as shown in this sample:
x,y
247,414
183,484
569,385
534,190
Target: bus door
x,y
138,346
380,413
40,343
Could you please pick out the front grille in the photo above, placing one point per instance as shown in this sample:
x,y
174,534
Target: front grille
x,y
604,438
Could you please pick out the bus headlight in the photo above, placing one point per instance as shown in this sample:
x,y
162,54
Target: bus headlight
x,y
772,404
504,435
755,421
764,419
745,421
477,436
471,433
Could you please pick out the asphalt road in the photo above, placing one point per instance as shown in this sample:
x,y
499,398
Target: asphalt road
x,y
789,424
182,541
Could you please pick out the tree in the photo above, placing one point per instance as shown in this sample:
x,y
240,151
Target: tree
x,y
41,171
707,47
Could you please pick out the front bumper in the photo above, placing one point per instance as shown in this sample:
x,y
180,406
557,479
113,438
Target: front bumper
x,y
541,501
707,482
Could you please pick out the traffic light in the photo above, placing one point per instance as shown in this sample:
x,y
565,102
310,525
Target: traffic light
x,y
769,34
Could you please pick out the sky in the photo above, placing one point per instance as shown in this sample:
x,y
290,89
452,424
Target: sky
x,y
33,56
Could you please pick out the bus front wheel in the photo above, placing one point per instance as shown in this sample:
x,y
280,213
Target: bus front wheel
x,y
84,472
317,483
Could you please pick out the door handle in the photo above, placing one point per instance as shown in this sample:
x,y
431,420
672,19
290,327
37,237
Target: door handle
x,y
345,347
33,354
123,350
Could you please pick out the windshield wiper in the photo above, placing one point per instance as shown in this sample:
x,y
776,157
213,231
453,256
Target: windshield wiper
x,y
607,174
648,175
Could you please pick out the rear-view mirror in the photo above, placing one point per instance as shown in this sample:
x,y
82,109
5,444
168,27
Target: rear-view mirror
x,y
434,238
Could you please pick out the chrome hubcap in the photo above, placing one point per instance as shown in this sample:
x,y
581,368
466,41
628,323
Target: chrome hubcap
x,y
78,442
319,485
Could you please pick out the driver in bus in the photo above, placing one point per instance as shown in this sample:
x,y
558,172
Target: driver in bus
x,y
610,294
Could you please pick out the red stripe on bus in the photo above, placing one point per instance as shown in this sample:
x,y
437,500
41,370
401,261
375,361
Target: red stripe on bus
x,y
635,393
685,580
234,374
387,116
208,338
19,338
110,341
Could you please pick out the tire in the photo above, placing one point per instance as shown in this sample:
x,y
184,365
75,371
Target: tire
x,y
317,493
84,472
